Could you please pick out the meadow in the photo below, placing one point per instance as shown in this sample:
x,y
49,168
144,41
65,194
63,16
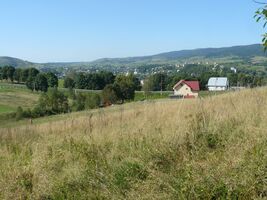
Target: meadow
x,y
12,97
211,148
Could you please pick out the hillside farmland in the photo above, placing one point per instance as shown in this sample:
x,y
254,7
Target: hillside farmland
x,y
190,149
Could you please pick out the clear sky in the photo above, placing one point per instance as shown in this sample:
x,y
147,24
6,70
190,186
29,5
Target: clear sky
x,y
84,30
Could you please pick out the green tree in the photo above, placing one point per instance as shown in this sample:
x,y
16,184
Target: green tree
x,y
80,81
33,72
93,81
92,101
233,79
52,79
4,73
109,94
18,74
136,81
54,102
19,113
41,83
8,73
1,73
158,81
25,75
30,83
261,15
106,78
147,87
124,87
30,77
86,101
79,102
69,82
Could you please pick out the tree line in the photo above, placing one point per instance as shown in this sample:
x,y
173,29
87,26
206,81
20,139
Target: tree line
x,y
114,88
31,77
121,85
165,82
55,101
94,81
119,89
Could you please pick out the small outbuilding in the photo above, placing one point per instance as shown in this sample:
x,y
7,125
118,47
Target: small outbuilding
x,y
218,84
186,89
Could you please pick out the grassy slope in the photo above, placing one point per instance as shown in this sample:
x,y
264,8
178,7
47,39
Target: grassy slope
x,y
11,98
188,149
6,109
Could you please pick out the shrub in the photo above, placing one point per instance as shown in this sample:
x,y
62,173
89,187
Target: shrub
x,y
6,116
39,111
71,94
78,103
110,95
54,101
69,83
27,113
125,87
52,79
92,101
40,83
19,113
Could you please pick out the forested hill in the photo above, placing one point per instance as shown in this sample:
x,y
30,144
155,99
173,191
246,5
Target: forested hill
x,y
246,52
15,62
241,53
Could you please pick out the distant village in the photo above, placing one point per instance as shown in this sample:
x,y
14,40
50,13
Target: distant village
x,y
145,69
194,76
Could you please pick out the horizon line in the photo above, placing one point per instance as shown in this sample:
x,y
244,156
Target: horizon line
x,y
125,57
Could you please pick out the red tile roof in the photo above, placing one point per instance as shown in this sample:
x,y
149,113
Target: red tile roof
x,y
194,85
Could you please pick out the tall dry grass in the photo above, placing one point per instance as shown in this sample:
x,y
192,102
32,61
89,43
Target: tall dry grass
x,y
213,148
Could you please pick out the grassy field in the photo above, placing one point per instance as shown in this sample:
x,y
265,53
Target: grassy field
x,y
6,109
211,148
140,96
12,97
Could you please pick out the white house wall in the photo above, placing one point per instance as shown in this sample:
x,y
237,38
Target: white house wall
x,y
184,90
217,88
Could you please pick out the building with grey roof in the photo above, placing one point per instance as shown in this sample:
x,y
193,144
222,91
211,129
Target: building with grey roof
x,y
218,84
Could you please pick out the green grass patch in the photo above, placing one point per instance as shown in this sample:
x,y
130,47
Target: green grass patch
x,y
6,109
13,96
207,93
140,96
61,83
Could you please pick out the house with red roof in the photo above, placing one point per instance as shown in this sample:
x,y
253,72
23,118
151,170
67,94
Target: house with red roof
x,y
186,89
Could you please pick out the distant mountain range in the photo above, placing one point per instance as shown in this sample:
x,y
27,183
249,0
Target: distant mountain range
x,y
240,53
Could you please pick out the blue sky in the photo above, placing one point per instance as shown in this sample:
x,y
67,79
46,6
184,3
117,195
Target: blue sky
x,y
84,30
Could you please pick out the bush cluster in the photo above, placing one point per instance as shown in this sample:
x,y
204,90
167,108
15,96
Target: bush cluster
x,y
84,101
50,103
56,102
